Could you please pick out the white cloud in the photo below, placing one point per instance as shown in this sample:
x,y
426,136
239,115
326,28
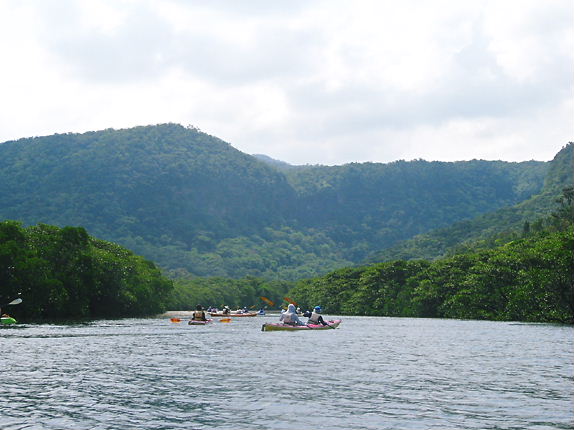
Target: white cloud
x,y
313,81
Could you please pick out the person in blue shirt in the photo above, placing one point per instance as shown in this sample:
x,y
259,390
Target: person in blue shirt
x,y
290,316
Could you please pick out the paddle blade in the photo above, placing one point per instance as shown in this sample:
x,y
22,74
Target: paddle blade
x,y
175,320
288,300
266,300
16,301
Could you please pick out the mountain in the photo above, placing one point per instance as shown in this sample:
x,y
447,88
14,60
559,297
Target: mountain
x,y
282,165
371,205
485,230
194,204
148,181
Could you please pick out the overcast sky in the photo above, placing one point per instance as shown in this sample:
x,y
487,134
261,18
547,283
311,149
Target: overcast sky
x,y
307,82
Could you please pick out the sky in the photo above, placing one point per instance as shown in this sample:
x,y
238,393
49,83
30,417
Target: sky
x,y
302,81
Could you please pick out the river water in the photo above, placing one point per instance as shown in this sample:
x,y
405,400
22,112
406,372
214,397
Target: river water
x,y
370,373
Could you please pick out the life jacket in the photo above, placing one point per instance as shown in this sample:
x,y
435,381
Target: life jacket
x,y
314,318
199,316
288,318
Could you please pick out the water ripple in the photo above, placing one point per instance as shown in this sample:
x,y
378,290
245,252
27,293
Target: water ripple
x,y
371,373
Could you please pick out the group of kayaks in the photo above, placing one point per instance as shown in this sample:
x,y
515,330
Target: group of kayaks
x,y
276,326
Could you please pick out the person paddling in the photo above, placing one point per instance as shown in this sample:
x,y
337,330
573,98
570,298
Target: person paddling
x,y
315,317
290,317
199,315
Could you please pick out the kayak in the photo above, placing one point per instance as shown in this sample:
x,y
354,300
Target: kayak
x,y
7,321
333,324
221,314
197,322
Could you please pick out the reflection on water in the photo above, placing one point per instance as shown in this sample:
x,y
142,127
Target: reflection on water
x,y
371,373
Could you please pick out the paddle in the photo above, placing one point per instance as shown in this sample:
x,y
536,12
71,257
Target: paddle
x,y
268,301
178,320
288,300
15,302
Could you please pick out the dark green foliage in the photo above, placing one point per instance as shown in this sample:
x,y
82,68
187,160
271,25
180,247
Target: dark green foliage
x,y
373,205
234,293
190,201
494,228
146,181
528,279
65,273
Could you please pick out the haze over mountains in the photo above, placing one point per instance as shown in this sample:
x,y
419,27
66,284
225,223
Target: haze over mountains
x,y
194,204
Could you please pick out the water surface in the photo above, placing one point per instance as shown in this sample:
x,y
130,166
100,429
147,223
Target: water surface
x,y
370,373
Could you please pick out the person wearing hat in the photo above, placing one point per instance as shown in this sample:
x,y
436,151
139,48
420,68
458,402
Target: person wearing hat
x,y
290,316
315,317
199,315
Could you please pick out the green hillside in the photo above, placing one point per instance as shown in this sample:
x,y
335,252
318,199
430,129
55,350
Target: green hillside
x,y
489,230
372,206
195,205
147,181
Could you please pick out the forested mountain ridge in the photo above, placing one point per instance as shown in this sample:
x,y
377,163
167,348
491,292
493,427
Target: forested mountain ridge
x,y
149,181
373,205
193,203
493,228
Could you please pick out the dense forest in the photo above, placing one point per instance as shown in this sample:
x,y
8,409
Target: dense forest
x,y
65,273
253,293
493,228
198,207
473,239
528,279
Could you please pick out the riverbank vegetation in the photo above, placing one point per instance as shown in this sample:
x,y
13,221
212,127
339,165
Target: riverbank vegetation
x,y
251,292
65,273
527,279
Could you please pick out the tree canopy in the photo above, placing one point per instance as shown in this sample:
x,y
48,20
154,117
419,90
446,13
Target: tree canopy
x,y
527,279
65,273
191,202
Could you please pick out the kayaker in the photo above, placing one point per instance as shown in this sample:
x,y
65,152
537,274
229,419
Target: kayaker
x,y
315,317
199,315
290,317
